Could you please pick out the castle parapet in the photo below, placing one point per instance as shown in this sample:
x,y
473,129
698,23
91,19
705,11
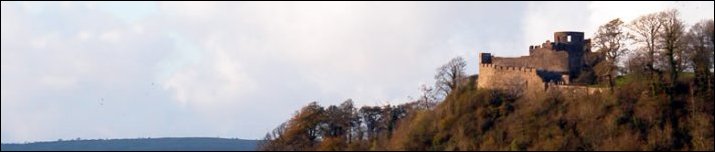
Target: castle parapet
x,y
507,68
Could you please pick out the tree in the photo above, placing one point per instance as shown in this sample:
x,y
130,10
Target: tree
x,y
428,97
334,128
672,40
699,51
272,140
390,115
448,76
310,118
646,32
371,116
349,119
303,130
333,125
610,41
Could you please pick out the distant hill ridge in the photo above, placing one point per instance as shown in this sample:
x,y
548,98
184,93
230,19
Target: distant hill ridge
x,y
164,144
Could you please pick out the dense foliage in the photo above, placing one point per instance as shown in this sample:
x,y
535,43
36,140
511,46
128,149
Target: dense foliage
x,y
470,119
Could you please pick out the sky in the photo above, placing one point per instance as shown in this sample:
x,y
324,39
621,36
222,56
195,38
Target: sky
x,y
103,70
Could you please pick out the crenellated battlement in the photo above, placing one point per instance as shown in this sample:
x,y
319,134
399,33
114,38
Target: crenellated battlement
x,y
507,68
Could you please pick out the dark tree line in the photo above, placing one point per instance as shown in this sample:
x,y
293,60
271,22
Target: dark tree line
x,y
342,127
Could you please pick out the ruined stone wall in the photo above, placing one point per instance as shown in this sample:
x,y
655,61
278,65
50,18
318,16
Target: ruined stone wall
x,y
539,58
503,77
526,80
576,89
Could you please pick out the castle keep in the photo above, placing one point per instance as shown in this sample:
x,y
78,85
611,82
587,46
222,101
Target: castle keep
x,y
557,63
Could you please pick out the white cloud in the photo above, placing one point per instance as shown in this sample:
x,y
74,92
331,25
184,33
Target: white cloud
x,y
84,35
195,9
216,78
288,54
55,76
693,12
542,19
41,42
110,36
58,82
602,12
326,40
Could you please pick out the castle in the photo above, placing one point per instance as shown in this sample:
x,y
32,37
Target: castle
x,y
555,64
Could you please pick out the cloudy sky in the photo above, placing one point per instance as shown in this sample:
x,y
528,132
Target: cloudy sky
x,y
238,69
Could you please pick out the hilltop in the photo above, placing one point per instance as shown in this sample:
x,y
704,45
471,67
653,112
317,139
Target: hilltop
x,y
484,119
658,97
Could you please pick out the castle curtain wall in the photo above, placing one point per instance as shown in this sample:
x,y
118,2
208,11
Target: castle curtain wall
x,y
502,77
540,58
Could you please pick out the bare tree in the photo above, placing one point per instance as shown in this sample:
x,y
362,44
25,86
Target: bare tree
x,y
428,97
449,75
646,32
349,120
699,50
672,40
610,40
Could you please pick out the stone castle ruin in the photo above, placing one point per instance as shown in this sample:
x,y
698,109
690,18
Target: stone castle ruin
x,y
557,64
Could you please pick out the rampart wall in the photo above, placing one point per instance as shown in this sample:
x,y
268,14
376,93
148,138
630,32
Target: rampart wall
x,y
505,77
